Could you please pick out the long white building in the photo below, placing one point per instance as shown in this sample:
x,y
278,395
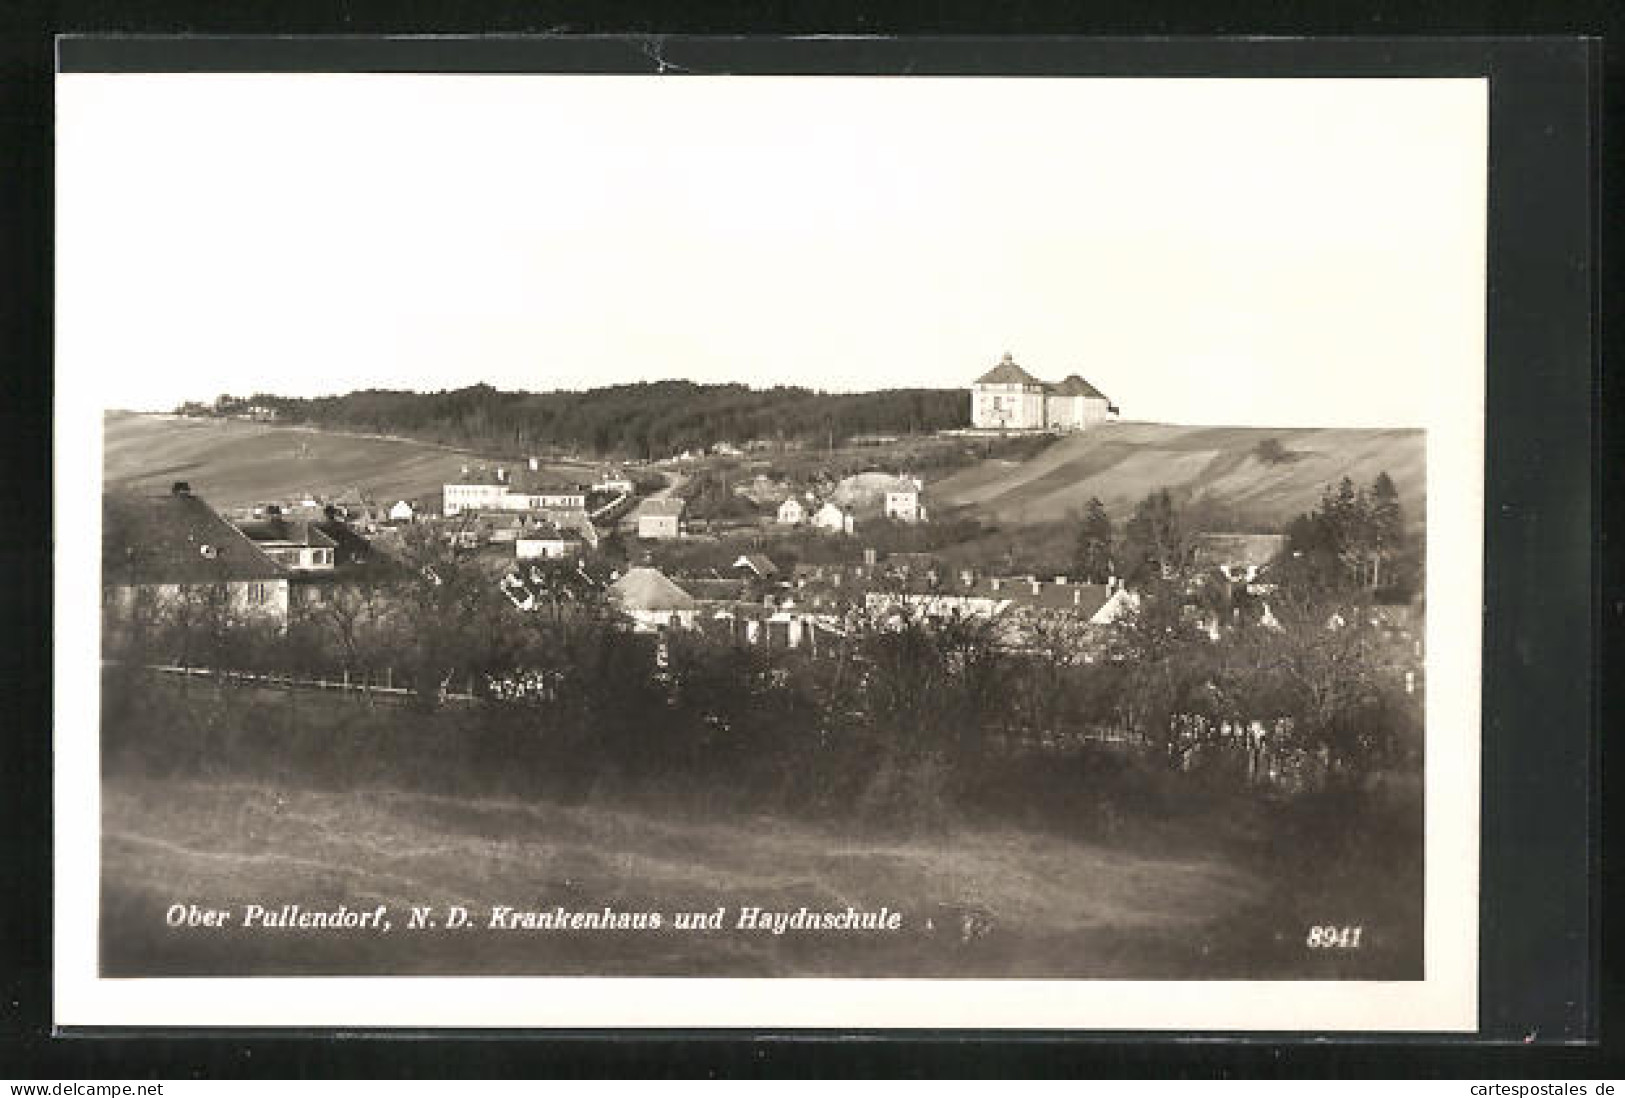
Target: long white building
x,y
1008,398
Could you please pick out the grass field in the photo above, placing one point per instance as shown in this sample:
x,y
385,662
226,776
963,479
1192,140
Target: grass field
x,y
1053,907
1047,906
1122,462
234,462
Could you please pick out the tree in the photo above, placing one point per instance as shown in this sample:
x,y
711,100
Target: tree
x,y
1161,656
1155,541
1387,526
1092,559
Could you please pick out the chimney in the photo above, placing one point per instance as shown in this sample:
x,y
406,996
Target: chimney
x,y
180,488
995,582
869,556
967,577
502,474
1036,586
535,465
465,471
1077,597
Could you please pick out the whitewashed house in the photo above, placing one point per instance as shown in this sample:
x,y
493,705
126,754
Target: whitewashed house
x,y
401,512
901,500
792,512
833,519
653,601
546,541
660,518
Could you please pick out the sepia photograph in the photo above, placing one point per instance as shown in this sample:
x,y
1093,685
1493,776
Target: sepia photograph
x,y
979,537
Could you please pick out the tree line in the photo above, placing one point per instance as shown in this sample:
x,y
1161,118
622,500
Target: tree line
x,y
646,420
1353,540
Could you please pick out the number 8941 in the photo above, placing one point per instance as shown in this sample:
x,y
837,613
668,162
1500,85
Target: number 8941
x,y
1334,937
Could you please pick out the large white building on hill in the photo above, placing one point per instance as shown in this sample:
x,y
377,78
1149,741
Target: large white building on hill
x,y
1008,398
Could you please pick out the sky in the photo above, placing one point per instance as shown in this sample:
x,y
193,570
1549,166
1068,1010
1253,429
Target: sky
x,y
1262,252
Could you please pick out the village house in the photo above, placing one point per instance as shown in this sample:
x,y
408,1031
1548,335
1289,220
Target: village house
x,y
402,512
902,500
499,490
652,601
1008,398
1019,605
614,482
505,529
660,518
756,565
299,545
158,551
548,541
792,512
1240,558
831,518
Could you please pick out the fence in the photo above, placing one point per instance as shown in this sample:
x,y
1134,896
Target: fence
x,y
367,684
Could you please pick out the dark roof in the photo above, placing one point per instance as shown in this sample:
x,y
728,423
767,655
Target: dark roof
x,y
1073,385
547,530
176,539
1007,373
296,532
353,549
712,590
757,563
521,480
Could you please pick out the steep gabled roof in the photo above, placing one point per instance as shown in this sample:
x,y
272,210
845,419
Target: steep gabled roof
x,y
1007,373
1073,385
178,539
758,563
649,589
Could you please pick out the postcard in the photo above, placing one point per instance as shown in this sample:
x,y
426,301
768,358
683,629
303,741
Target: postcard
x,y
855,552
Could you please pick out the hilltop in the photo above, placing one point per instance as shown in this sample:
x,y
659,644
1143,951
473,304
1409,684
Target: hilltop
x,y
1237,469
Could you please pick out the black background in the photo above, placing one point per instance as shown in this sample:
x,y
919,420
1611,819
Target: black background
x,y
1548,592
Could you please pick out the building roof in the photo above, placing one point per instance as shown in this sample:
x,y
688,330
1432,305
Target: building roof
x,y
757,563
649,589
713,590
520,480
1238,550
290,531
1073,385
901,484
545,530
667,507
176,538
1007,373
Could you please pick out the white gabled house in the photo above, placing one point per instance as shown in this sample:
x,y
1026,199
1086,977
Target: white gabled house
x,y
901,500
792,512
833,519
